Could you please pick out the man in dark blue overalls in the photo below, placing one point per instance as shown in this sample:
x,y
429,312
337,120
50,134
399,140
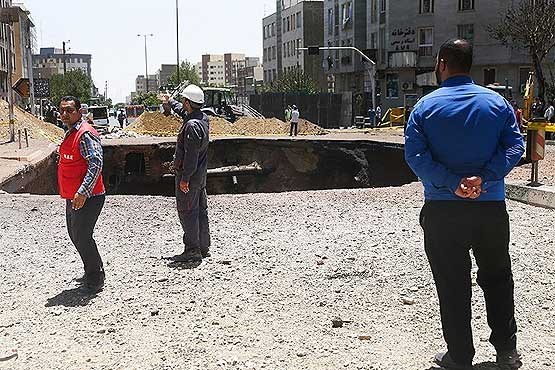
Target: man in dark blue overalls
x,y
191,163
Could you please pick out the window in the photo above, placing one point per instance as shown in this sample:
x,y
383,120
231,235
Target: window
x,y
374,11
489,76
426,6
292,22
330,21
288,24
373,40
336,19
392,85
466,31
382,6
425,41
381,45
347,13
299,20
466,5
274,56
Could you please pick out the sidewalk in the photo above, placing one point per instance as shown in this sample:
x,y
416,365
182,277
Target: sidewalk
x,y
14,160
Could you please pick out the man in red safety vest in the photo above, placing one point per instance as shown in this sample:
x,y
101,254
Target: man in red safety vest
x,y
80,183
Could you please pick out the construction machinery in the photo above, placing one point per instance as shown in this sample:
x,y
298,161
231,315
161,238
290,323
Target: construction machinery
x,y
218,101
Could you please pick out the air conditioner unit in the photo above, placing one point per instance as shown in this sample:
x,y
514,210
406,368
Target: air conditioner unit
x,y
407,86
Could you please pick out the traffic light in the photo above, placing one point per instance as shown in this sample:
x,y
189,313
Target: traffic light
x,y
313,50
330,62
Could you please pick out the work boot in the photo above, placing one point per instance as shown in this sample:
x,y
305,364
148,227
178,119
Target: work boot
x,y
94,282
444,360
510,358
190,255
205,252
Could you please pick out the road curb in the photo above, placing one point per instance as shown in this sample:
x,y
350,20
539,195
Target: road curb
x,y
542,196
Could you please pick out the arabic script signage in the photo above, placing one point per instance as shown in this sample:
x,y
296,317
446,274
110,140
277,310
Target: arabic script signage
x,y
403,39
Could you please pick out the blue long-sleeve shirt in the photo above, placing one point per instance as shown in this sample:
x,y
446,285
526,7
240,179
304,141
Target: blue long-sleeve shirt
x,y
462,130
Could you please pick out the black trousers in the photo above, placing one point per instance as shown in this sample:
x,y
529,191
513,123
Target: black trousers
x,y
294,128
192,208
80,226
451,229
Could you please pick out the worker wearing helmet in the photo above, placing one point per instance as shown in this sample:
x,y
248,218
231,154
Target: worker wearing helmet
x,y
191,163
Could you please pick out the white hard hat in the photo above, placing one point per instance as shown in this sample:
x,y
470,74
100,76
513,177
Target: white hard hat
x,y
194,94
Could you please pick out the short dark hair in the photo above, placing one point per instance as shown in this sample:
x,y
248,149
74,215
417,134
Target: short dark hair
x,y
73,99
457,54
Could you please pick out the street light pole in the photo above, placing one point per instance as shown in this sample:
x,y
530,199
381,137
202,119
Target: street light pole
x,y
146,58
371,70
64,55
177,34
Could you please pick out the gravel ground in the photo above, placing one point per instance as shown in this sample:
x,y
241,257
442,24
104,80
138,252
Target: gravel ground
x,y
283,267
547,169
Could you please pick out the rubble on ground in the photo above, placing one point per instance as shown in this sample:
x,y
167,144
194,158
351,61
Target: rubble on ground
x,y
36,128
157,124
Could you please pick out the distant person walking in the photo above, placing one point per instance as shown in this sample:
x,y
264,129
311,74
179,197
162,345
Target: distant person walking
x,y
372,116
121,118
294,121
378,115
549,114
461,141
191,163
81,184
537,108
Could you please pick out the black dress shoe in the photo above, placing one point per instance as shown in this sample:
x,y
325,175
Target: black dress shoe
x,y
444,360
205,253
81,279
94,282
190,255
510,358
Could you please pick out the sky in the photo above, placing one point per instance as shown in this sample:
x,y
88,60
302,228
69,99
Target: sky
x,y
108,30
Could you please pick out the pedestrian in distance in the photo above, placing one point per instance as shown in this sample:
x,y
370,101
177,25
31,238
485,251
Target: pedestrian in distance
x,y
81,185
549,114
372,116
378,115
191,164
288,114
121,118
537,108
461,141
294,121
518,114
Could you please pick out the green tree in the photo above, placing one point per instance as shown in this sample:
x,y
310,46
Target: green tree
x,y
293,81
529,26
148,99
187,72
75,83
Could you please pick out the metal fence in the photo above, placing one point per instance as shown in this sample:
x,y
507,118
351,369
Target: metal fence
x,y
321,109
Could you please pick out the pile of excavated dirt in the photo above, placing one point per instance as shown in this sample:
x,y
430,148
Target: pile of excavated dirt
x,y
157,124
36,128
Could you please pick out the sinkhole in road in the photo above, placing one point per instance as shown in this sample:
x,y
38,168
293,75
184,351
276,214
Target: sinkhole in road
x,y
256,165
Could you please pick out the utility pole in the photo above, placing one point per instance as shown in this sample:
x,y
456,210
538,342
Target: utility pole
x,y
64,55
146,58
177,36
10,84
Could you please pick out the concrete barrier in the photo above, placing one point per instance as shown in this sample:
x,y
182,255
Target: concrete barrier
x,y
542,196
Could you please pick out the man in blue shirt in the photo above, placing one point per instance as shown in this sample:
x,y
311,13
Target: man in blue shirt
x,y
461,141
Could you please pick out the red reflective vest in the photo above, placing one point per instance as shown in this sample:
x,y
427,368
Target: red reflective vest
x,y
72,167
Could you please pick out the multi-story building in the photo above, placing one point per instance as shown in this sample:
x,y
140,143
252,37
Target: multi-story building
x,y
51,61
346,26
407,35
223,70
164,73
296,23
233,63
249,79
4,33
140,84
24,41
213,69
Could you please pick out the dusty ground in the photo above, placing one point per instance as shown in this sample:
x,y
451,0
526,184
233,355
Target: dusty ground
x,y
547,169
283,267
